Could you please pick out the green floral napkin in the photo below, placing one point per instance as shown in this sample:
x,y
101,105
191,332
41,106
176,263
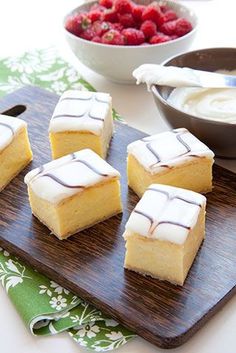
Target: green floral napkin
x,y
45,307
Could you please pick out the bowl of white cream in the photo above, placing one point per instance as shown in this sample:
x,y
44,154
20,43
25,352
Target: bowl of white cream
x,y
209,113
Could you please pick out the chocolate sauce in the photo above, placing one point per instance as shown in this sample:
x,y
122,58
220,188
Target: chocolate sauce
x,y
153,226
188,201
76,98
90,167
151,149
175,197
175,223
59,181
145,215
179,138
95,117
69,116
100,100
161,191
83,99
83,114
73,160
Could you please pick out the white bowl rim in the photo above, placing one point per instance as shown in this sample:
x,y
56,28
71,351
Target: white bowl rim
x,y
134,47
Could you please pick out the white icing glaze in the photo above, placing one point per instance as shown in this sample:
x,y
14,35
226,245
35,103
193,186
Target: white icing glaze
x,y
173,76
171,148
9,126
217,104
165,208
89,108
70,171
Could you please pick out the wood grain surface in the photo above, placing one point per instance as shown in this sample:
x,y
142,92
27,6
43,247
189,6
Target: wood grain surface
x,y
90,263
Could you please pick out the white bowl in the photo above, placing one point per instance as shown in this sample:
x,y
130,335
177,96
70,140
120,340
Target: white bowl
x,y
117,63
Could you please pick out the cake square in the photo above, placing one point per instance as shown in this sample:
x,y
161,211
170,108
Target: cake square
x,y
164,233
81,119
15,151
174,158
74,192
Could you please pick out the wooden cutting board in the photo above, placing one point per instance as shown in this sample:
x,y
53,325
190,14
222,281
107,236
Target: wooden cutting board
x,y
90,263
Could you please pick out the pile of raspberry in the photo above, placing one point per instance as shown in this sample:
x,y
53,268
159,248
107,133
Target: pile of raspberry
x,y
122,22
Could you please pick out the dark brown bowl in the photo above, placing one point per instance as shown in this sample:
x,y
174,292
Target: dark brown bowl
x,y
219,136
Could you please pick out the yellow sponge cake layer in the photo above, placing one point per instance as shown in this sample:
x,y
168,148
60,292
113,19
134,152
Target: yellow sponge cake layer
x,y
174,158
74,192
93,205
195,175
15,153
164,233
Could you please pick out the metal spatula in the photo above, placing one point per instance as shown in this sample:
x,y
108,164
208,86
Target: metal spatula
x,y
173,76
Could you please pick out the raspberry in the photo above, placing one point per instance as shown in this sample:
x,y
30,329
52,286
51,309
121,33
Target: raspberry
x,y
137,12
72,25
87,34
159,38
126,20
170,15
113,37
99,28
148,28
97,39
153,12
169,28
183,26
164,8
123,6
77,23
110,15
106,3
133,36
94,15
117,26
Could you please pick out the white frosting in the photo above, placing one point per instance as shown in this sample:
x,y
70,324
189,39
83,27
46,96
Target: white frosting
x,y
169,149
217,104
9,126
172,76
88,110
160,207
71,172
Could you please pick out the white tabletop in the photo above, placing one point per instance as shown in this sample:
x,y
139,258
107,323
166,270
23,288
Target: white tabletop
x,y
28,24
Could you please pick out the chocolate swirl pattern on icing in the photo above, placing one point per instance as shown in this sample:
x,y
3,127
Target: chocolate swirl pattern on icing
x,y
153,151
63,183
92,98
179,138
154,225
168,149
9,126
169,197
66,176
73,159
166,213
84,99
172,197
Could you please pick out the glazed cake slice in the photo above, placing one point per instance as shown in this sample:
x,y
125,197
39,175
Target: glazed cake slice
x,y
174,158
164,233
15,151
81,119
74,192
